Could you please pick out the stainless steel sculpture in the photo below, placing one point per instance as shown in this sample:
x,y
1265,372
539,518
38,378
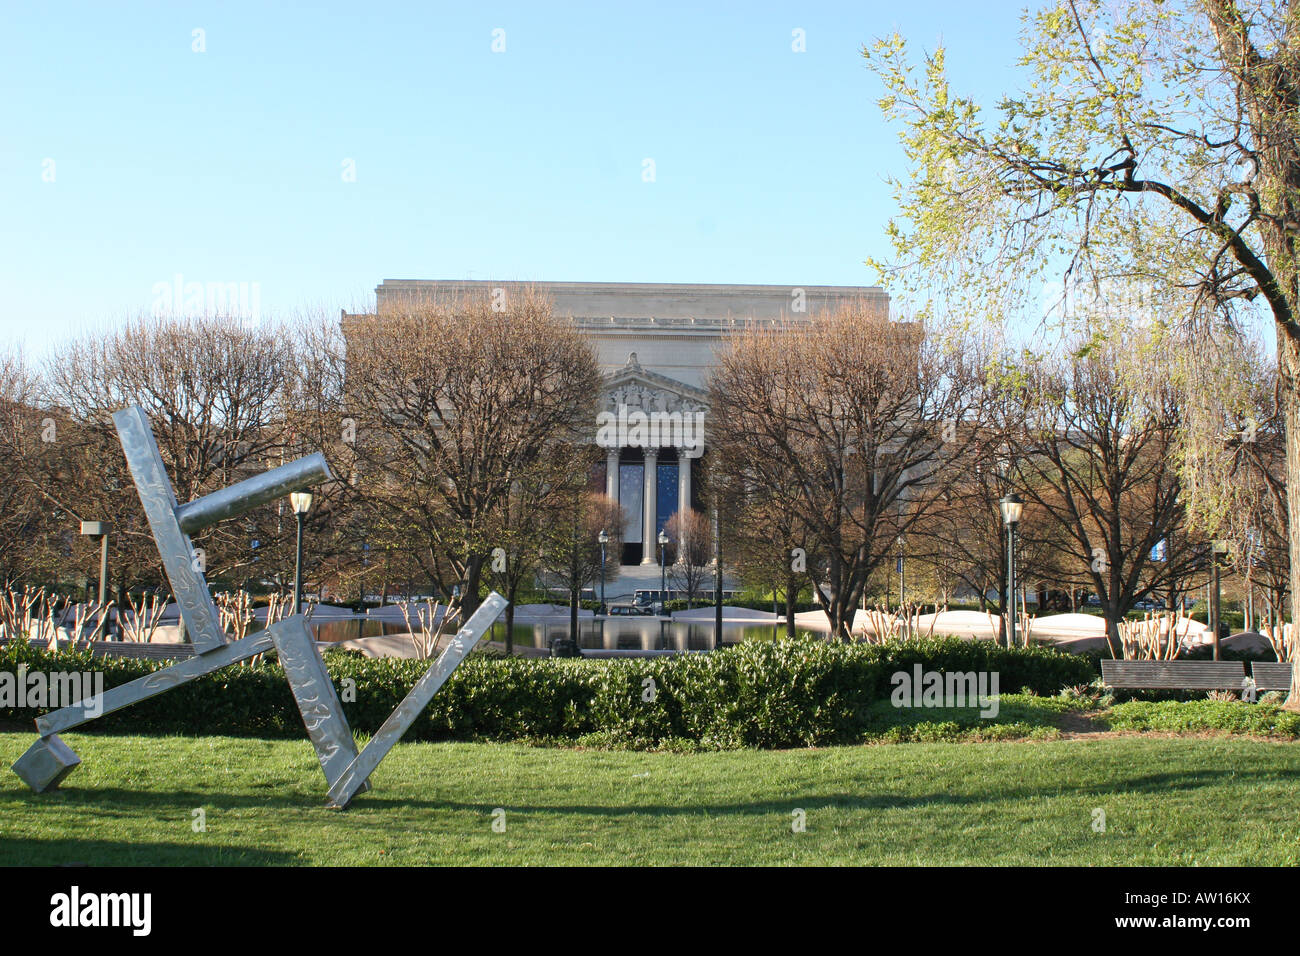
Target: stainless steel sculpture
x,y
48,761
399,721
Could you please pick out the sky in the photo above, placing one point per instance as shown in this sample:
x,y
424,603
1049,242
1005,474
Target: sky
x,y
299,154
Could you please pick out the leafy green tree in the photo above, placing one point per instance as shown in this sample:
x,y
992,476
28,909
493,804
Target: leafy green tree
x,y
1152,154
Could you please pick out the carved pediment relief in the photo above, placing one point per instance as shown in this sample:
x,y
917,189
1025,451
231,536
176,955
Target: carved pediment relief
x,y
641,390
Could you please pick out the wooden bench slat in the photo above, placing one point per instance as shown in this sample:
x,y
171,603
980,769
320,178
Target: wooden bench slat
x,y
1270,675
157,652
1174,675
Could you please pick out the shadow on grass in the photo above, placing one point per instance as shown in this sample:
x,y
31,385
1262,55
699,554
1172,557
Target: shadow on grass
x,y
116,799
1151,784
69,851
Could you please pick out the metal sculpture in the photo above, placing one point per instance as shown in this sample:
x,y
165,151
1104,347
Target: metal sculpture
x,y
49,761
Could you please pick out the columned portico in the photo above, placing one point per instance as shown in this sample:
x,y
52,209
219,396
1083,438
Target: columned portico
x,y
652,428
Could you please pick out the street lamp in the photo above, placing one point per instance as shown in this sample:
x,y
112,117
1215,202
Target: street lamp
x,y
301,501
603,538
1217,547
663,573
902,572
1012,507
100,529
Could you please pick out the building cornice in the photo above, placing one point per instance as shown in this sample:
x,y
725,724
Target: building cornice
x,y
604,288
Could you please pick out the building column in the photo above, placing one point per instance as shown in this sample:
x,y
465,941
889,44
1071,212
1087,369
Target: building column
x,y
650,504
683,493
611,474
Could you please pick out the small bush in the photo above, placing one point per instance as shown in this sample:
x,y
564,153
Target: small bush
x,y
1234,717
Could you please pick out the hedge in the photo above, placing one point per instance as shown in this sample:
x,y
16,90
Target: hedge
x,y
803,692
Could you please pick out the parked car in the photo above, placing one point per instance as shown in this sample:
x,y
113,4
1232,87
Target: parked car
x,y
1147,604
628,610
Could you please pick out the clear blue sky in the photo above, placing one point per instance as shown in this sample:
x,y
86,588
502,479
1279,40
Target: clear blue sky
x,y
227,165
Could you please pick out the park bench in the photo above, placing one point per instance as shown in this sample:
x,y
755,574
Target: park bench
x,y
1271,676
1174,675
153,652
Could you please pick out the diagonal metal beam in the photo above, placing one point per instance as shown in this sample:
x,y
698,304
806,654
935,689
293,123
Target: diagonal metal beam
x,y
317,700
202,624
400,720
313,692
48,761
151,685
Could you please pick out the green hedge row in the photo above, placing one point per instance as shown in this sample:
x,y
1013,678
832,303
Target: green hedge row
x,y
782,694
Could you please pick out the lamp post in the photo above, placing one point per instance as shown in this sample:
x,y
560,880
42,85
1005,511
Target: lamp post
x,y
1012,507
717,577
663,573
301,501
603,538
902,573
1217,547
100,529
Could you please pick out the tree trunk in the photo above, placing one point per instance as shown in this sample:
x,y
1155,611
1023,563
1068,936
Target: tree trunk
x,y
573,614
1289,366
840,611
510,624
790,591
469,596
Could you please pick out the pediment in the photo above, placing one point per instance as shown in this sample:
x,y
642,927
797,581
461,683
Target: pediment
x,y
639,388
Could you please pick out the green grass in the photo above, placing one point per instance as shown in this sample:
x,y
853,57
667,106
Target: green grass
x,y
1215,801
1018,716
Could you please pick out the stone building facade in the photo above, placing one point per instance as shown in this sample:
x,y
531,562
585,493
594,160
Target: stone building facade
x,y
656,344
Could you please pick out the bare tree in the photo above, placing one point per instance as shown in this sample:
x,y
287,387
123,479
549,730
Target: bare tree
x,y
27,536
212,389
963,535
691,535
766,544
843,420
1097,455
455,401
532,518
571,557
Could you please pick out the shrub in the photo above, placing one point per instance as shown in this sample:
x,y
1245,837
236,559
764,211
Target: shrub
x,y
1234,717
805,692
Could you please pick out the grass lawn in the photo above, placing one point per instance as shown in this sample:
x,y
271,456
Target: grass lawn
x,y
1167,800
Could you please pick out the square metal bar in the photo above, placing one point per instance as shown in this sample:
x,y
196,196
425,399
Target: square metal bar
x,y
400,720
202,623
46,763
142,688
317,700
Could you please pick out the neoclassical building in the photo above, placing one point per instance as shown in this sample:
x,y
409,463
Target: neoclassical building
x,y
655,343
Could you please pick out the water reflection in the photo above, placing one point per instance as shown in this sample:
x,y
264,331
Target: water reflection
x,y
636,634
349,630
643,634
